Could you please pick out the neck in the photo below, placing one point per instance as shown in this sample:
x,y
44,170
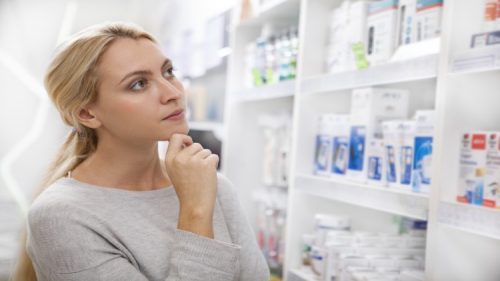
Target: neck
x,y
125,166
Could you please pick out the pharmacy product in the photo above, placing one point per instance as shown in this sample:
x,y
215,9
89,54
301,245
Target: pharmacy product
x,y
406,21
492,177
326,223
340,144
375,154
472,167
369,108
381,30
406,153
318,258
490,15
428,19
422,161
393,136
323,145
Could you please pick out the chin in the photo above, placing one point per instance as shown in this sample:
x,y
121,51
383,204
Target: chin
x,y
180,129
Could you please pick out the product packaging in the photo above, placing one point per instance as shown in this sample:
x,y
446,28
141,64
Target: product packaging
x,y
422,161
369,108
472,167
381,30
492,178
428,19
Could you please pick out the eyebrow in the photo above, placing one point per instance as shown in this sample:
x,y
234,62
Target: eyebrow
x,y
145,72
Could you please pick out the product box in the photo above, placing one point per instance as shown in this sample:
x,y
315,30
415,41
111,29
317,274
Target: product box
x,y
406,153
406,21
422,161
428,19
340,145
485,39
369,108
492,177
393,136
323,145
375,154
472,168
381,30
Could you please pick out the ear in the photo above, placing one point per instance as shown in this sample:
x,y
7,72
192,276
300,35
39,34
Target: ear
x,y
87,117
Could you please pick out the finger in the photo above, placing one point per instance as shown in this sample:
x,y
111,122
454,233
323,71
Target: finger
x,y
192,149
213,159
177,143
204,153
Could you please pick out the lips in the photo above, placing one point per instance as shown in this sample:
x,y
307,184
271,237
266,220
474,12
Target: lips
x,y
176,114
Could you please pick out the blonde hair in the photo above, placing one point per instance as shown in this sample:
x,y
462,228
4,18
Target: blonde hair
x,y
71,82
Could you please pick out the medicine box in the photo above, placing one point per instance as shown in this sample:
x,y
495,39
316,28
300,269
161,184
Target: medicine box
x,y
472,166
492,177
422,161
406,21
369,108
381,30
428,19
340,144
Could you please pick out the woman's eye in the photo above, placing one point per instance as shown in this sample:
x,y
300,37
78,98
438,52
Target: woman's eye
x,y
169,72
138,85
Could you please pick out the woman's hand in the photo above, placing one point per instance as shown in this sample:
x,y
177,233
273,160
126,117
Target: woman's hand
x,y
193,172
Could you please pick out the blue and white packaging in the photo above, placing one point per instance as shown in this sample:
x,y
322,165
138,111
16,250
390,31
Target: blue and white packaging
x,y
406,22
428,19
406,153
393,136
422,161
381,30
369,108
376,162
323,149
340,144
472,168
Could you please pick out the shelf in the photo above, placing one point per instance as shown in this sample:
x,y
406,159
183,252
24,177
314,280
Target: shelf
x,y
273,10
477,60
301,275
474,219
396,72
394,201
284,89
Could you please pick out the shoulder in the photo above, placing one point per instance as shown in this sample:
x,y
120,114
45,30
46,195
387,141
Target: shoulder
x,y
57,210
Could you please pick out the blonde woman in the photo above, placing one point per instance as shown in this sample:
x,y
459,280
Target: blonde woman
x,y
112,209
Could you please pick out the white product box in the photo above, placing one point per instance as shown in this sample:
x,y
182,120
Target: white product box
x,y
375,154
381,30
369,108
393,137
406,153
492,177
472,167
428,19
406,21
422,161
323,149
340,144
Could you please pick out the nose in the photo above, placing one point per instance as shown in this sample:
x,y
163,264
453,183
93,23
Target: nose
x,y
169,90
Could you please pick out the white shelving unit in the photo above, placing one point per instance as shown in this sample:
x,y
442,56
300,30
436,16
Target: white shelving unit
x,y
460,84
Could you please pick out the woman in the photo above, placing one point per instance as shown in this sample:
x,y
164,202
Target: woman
x,y
113,210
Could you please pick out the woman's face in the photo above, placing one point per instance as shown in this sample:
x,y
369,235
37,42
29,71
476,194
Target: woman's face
x,y
139,98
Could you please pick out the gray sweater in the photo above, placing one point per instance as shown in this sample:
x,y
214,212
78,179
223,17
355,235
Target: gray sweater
x,y
83,232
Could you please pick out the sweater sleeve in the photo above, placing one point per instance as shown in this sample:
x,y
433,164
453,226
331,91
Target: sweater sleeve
x,y
253,266
66,243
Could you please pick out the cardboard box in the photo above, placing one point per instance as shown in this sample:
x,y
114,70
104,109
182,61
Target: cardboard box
x,y
492,177
428,19
381,30
369,108
472,167
422,161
